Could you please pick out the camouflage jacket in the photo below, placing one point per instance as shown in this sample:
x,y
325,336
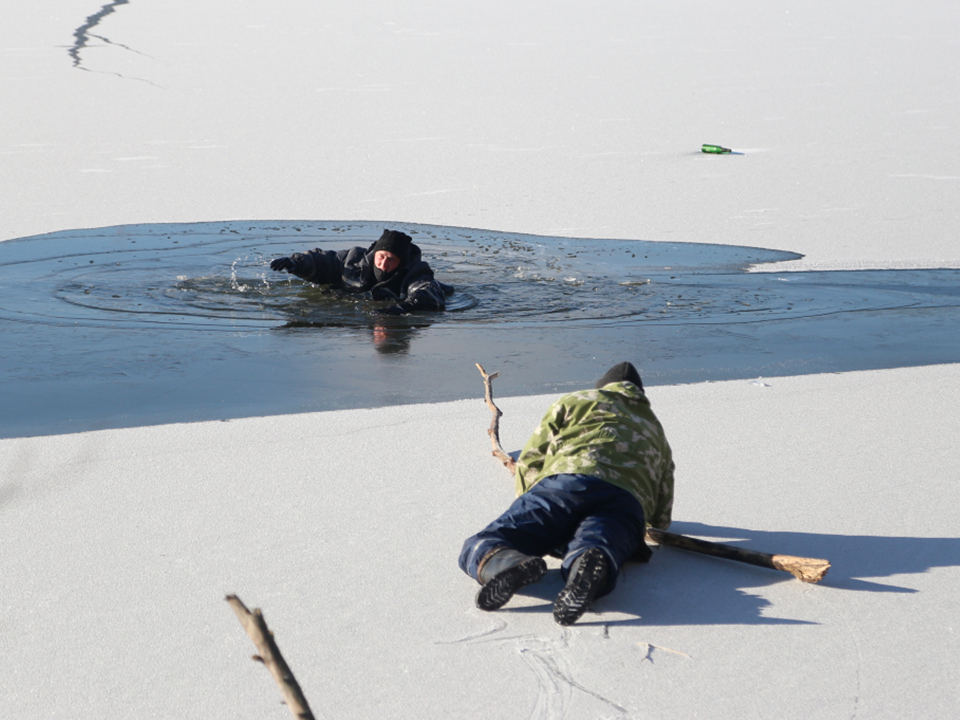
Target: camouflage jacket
x,y
352,271
611,434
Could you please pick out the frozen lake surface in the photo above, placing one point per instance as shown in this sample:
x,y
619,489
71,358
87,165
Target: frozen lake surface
x,y
145,324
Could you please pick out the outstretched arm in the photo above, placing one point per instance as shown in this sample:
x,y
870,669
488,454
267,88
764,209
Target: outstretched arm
x,y
323,267
661,516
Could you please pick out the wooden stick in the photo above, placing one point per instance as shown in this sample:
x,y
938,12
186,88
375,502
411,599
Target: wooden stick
x,y
494,430
808,570
270,656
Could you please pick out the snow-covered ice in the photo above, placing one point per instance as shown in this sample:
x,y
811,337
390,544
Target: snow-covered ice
x,y
118,546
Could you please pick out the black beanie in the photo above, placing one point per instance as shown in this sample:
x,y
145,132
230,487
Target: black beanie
x,y
620,373
396,242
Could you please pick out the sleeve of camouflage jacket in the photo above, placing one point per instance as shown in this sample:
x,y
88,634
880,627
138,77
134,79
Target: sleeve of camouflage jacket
x,y
661,516
530,462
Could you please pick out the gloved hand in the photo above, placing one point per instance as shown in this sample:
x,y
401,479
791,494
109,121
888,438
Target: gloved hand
x,y
283,263
402,308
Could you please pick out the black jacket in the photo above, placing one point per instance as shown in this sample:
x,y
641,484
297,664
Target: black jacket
x,y
411,285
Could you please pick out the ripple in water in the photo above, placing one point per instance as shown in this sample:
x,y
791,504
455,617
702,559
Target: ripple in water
x,y
216,277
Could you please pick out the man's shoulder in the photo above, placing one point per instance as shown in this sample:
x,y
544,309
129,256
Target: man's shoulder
x,y
354,255
614,392
579,396
416,270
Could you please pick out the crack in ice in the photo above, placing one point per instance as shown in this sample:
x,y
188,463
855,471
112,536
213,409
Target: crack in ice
x,y
83,34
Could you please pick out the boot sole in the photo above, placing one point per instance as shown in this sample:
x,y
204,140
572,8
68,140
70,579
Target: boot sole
x,y
500,589
581,588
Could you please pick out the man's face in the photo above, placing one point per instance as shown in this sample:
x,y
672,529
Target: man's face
x,y
385,261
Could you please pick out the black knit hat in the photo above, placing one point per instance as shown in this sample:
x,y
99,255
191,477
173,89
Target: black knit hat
x,y
396,242
620,373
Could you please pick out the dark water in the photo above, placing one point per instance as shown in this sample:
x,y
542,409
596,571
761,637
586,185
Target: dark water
x,y
145,324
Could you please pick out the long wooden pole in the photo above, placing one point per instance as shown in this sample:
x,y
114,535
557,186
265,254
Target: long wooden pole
x,y
809,570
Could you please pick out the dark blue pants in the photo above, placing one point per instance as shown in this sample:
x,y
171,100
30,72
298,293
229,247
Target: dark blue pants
x,y
564,515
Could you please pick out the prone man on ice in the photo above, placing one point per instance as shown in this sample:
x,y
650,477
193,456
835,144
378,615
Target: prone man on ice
x,y
596,471
389,269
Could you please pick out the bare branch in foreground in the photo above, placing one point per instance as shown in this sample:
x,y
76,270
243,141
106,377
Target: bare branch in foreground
x,y
494,430
269,655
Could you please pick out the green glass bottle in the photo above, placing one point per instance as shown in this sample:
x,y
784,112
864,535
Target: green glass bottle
x,y
715,150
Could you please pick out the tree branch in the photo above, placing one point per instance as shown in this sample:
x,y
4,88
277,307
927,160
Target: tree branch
x,y
494,430
809,570
269,655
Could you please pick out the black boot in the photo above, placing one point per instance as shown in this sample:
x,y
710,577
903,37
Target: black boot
x,y
503,572
588,575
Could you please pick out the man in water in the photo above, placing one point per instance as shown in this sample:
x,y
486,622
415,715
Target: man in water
x,y
389,269
589,479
